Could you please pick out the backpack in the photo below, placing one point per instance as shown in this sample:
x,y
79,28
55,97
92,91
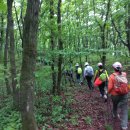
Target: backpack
x,y
102,75
79,70
121,84
89,71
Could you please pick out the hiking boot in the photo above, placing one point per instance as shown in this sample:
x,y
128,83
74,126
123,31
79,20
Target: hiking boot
x,y
124,128
116,117
105,96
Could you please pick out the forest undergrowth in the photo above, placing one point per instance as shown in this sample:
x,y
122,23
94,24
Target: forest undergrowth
x,y
88,112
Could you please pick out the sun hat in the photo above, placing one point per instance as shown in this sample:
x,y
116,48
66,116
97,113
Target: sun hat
x,y
117,65
99,64
77,64
86,63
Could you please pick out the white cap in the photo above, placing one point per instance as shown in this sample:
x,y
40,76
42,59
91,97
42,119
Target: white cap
x,y
86,63
100,64
77,64
117,64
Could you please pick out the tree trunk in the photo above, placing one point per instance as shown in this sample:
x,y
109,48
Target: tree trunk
x,y
103,58
52,45
27,79
60,45
103,28
8,88
18,22
1,35
10,29
128,29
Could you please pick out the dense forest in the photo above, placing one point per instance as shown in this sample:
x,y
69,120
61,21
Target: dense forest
x,y
42,39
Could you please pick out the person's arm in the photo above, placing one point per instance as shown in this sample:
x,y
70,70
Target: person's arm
x,y
110,84
95,75
84,72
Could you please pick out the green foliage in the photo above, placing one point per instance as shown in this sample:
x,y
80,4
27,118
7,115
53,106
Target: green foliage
x,y
129,114
9,118
2,6
108,127
56,99
43,79
57,114
88,120
74,120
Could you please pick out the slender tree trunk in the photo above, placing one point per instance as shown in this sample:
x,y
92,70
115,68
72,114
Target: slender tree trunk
x,y
1,35
128,29
103,58
8,88
60,45
103,28
27,79
10,26
18,22
52,45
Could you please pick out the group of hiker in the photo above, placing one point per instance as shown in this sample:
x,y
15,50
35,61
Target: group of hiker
x,y
115,85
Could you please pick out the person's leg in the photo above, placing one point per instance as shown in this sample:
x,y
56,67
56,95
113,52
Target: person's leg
x,y
101,89
90,82
78,78
115,101
124,111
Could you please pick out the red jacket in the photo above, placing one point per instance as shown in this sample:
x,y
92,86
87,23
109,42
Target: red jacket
x,y
111,83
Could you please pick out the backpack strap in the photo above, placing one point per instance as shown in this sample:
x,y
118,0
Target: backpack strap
x,y
100,72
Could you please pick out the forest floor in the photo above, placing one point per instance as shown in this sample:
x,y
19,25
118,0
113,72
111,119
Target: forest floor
x,y
89,112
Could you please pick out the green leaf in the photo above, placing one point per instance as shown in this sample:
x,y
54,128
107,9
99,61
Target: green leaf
x,y
3,7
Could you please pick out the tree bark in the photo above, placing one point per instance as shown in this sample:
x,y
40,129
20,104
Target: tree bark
x,y
8,88
18,22
1,35
60,45
52,45
128,29
10,30
27,79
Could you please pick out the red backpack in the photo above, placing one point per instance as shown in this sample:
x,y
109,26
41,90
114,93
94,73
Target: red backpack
x,y
121,84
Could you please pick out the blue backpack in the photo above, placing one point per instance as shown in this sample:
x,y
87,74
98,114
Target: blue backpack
x,y
89,71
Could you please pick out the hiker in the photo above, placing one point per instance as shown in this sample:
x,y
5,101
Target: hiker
x,y
118,89
88,75
102,74
78,73
69,75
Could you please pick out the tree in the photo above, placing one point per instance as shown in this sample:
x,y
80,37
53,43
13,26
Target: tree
x,y
10,40
27,79
102,23
121,26
52,44
60,47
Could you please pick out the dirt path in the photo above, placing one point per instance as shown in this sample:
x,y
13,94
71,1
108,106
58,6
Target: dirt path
x,y
90,112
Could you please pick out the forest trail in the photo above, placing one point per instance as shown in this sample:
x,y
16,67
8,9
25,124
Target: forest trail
x,y
90,112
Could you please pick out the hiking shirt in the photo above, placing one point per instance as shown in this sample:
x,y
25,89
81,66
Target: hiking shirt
x,y
87,68
112,82
98,72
